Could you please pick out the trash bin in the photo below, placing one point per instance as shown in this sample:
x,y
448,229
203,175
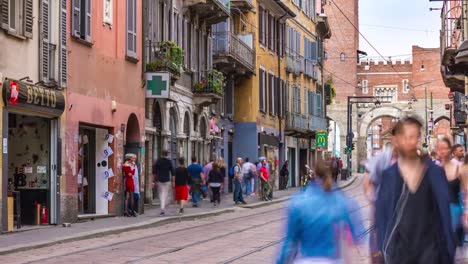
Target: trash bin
x,y
344,174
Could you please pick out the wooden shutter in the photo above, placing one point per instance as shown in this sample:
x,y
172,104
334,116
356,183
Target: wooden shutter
x,y
45,40
286,97
260,24
63,44
76,18
281,39
131,28
270,97
88,21
261,90
313,51
319,104
279,98
299,100
4,14
28,19
298,43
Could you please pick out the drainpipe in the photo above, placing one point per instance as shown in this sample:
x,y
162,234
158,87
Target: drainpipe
x,y
278,87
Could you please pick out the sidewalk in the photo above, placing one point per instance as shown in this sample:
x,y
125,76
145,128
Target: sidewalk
x,y
42,237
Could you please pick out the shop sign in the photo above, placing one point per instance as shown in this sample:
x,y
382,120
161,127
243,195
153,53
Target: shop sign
x,y
321,139
24,95
157,84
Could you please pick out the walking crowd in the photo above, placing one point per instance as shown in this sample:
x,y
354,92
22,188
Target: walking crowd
x,y
418,206
208,181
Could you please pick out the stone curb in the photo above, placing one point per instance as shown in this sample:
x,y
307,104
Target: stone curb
x,y
147,224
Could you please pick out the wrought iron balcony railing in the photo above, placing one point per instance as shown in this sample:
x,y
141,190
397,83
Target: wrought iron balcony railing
x,y
228,44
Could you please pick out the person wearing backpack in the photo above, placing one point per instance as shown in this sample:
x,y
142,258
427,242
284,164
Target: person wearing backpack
x,y
237,181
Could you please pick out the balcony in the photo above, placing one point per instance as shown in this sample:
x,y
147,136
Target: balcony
x,y
209,90
243,5
317,123
323,27
165,57
453,57
294,63
311,69
232,55
212,11
296,125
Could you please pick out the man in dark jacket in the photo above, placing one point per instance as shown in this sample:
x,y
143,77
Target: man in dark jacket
x,y
162,172
412,208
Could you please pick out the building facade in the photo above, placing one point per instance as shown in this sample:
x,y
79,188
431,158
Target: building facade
x,y
33,74
454,59
181,83
105,105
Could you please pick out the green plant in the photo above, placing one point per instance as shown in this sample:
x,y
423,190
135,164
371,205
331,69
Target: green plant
x,y
171,57
216,81
200,86
330,88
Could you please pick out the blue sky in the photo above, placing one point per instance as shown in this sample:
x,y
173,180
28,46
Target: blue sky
x,y
393,26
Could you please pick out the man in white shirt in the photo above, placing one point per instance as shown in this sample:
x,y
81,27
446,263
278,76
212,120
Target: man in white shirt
x,y
247,174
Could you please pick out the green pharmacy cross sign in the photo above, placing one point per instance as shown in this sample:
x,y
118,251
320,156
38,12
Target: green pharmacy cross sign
x,y
157,85
321,139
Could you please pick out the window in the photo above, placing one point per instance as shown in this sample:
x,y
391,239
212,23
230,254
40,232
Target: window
x,y
108,12
262,90
319,104
81,19
131,28
405,86
271,32
342,56
162,21
195,122
16,17
262,25
365,88
186,42
271,94
281,39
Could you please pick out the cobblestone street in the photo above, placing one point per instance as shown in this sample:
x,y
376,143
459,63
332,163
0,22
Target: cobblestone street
x,y
246,236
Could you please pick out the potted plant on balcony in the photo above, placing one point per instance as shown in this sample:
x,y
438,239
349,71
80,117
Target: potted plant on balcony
x,y
169,57
214,83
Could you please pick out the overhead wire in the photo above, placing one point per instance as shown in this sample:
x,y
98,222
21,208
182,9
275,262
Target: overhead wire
x,y
364,37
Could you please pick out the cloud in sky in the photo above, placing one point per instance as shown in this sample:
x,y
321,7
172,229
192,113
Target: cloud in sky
x,y
393,26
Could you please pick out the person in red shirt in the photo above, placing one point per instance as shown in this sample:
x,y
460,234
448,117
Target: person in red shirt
x,y
128,170
264,179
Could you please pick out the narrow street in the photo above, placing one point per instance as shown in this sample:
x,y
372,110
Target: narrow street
x,y
247,236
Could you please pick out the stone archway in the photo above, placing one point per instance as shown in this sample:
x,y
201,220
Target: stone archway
x,y
132,134
362,143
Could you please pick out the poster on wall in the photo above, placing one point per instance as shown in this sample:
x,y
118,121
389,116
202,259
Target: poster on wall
x,y
41,169
107,152
108,195
109,138
28,170
108,174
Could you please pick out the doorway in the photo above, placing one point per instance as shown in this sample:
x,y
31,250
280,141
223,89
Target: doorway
x,y
173,139
94,155
32,165
292,167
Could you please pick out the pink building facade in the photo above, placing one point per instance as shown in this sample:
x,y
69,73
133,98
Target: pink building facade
x,y
105,110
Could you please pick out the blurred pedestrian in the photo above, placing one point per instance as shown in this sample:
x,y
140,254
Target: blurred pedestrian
x,y
412,208
318,220
180,182
452,168
196,174
128,170
247,176
215,181
222,170
136,181
206,171
237,181
372,178
457,153
335,165
266,187
162,171
284,176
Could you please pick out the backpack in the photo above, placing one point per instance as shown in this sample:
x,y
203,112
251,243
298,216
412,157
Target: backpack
x,y
231,171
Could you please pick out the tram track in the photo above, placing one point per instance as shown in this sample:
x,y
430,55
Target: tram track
x,y
193,228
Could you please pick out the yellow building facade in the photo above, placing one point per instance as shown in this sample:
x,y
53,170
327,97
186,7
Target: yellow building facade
x,y
278,109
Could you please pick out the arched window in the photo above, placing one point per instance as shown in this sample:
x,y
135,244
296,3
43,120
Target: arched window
x,y
342,56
